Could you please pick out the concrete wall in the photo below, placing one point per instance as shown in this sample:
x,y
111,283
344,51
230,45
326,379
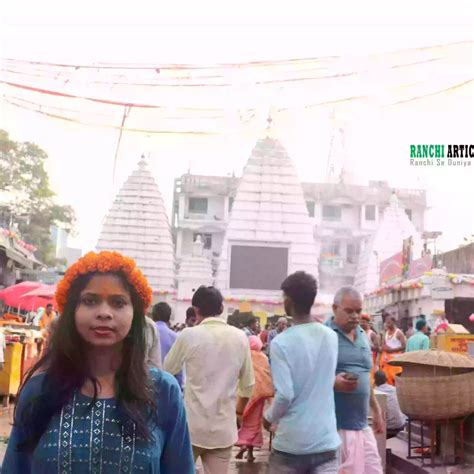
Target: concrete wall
x,y
350,216
460,260
7,276
187,242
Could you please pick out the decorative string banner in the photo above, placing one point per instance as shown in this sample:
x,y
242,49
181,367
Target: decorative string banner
x,y
248,64
102,101
100,113
201,110
42,106
200,84
431,94
116,127
233,74
196,82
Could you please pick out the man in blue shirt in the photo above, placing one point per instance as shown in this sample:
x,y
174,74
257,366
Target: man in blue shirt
x,y
161,315
419,341
303,368
353,393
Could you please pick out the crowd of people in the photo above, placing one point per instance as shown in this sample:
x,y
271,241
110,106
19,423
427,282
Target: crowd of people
x,y
116,390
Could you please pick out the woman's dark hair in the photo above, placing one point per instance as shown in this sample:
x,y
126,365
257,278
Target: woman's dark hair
x,y
301,288
209,301
66,372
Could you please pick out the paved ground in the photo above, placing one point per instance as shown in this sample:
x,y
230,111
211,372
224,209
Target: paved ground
x,y
399,448
259,466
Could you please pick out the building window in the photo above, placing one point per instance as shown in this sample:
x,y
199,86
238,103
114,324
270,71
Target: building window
x,y
231,203
206,239
408,213
370,212
198,205
310,206
332,213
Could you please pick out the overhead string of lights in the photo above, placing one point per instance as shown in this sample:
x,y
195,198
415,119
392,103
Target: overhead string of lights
x,y
230,65
56,80
256,73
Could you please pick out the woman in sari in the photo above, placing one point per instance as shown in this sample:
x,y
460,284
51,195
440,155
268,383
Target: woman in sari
x,y
250,432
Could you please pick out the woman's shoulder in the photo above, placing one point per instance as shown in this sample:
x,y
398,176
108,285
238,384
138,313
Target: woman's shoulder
x,y
35,383
32,388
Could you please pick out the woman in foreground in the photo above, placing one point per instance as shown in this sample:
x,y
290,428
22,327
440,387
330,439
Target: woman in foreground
x,y
90,405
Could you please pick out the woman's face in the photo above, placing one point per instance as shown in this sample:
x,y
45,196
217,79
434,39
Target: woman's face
x,y
104,313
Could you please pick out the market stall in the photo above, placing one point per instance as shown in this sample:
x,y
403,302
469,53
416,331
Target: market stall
x,y
23,348
455,338
437,294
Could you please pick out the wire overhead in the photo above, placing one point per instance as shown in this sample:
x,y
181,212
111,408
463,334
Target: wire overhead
x,y
113,84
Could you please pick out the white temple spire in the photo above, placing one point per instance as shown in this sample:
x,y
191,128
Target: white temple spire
x,y
138,227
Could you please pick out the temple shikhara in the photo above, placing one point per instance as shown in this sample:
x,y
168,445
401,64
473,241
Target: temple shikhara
x,y
137,226
269,234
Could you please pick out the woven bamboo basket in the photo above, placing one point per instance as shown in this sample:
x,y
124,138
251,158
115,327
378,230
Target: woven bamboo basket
x,y
436,398
435,385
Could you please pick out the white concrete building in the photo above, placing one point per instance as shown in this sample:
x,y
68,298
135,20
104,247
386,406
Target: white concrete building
x,y
344,217
194,270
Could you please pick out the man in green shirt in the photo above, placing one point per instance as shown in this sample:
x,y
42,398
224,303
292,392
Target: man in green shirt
x,y
419,341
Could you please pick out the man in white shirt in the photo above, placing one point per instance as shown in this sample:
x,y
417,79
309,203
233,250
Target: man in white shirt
x,y
153,344
396,420
218,367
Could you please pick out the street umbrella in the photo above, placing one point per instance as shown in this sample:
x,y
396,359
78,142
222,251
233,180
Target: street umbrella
x,y
45,291
40,296
11,295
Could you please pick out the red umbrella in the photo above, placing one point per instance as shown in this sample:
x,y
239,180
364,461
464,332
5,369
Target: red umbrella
x,y
46,291
31,303
11,295
38,297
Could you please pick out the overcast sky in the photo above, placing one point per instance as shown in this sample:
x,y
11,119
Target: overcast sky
x,y
377,136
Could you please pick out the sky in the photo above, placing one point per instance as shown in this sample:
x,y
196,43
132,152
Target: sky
x,y
367,38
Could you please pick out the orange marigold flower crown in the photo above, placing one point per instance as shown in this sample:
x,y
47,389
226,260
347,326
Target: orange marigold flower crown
x,y
104,262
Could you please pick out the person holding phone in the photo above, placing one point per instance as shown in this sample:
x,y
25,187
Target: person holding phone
x,y
353,393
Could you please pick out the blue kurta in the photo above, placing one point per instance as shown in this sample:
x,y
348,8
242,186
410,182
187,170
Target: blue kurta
x,y
84,439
